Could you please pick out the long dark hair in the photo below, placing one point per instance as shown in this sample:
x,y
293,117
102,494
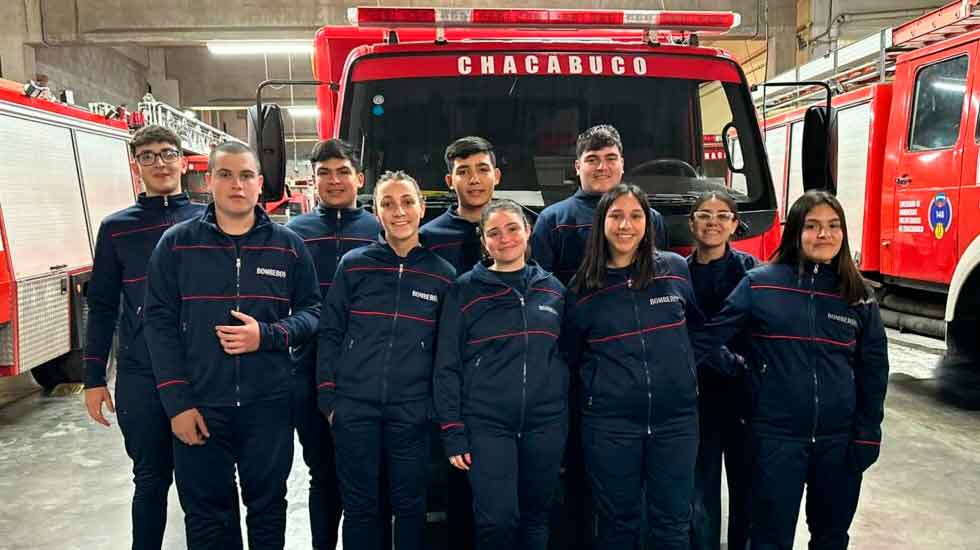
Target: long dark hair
x,y
852,287
591,274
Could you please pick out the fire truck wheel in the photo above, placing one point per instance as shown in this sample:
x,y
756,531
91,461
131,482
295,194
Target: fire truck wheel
x,y
67,369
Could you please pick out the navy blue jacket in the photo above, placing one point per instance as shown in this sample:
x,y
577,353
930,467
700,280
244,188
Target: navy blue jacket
x,y
632,349
498,364
561,231
126,240
329,233
819,366
712,283
198,274
378,326
454,238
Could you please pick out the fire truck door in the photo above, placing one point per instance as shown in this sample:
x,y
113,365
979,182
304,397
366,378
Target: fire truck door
x,y
929,163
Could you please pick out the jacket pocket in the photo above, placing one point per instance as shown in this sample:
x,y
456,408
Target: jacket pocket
x,y
471,375
592,391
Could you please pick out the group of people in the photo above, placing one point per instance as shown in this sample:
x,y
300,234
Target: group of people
x,y
579,345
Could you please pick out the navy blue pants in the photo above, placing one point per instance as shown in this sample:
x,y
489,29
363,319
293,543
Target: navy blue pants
x,y
625,469
780,470
367,435
146,433
572,517
318,453
258,439
723,436
514,480
459,513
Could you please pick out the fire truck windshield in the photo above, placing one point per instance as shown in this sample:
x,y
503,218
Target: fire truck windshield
x,y
533,121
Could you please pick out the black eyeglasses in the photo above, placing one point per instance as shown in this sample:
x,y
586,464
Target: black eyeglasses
x,y
149,158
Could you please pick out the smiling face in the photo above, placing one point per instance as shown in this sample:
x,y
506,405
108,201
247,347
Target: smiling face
x,y
473,179
624,228
505,236
600,170
713,224
822,235
337,182
399,209
235,183
159,176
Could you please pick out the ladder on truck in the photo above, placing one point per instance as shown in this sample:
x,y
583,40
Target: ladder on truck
x,y
197,137
866,61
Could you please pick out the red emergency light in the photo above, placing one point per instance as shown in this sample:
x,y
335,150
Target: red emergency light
x,y
692,21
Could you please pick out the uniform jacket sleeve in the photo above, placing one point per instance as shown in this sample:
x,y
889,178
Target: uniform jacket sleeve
x,y
734,316
572,335
870,377
162,326
103,308
542,246
330,337
447,384
300,327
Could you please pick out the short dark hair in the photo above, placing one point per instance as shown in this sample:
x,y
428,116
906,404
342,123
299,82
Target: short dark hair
x,y
853,288
598,137
335,149
153,134
591,274
233,148
466,147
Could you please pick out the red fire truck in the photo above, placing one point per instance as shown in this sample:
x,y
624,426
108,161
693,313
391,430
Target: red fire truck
x,y
402,83
62,170
907,141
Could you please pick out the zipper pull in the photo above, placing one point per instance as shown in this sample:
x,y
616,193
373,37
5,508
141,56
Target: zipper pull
x,y
238,267
338,215
521,298
816,268
401,267
629,283
166,201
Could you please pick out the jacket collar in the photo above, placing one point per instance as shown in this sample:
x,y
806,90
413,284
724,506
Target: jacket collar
x,y
724,257
346,214
483,274
589,198
160,202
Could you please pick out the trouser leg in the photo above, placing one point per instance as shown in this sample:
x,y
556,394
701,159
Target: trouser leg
x,y
779,470
706,504
318,454
205,477
833,488
357,430
149,443
669,457
615,467
264,450
493,476
735,446
406,442
539,456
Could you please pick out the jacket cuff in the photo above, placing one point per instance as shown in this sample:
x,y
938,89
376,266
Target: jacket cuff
x,y
273,337
95,372
325,399
176,396
454,438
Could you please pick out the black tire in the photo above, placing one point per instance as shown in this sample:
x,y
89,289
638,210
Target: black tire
x,y
67,369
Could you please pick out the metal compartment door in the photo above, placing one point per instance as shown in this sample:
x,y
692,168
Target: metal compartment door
x,y
41,199
106,174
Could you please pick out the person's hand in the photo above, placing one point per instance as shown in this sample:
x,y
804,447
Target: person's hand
x,y
236,340
189,427
462,461
94,398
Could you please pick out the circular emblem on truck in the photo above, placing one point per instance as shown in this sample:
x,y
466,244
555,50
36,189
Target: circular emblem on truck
x,y
940,215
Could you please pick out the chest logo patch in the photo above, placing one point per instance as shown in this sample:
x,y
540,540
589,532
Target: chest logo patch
x,y
427,296
270,272
851,322
660,300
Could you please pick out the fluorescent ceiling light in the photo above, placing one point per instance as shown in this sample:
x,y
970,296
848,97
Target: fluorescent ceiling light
x,y
259,47
303,111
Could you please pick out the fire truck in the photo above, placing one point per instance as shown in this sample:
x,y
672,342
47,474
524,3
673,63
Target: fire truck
x,y
62,170
402,83
906,110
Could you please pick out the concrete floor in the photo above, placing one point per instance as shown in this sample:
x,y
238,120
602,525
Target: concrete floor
x,y
65,482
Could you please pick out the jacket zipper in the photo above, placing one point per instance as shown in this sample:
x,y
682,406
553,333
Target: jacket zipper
x,y
813,365
646,364
238,307
391,340
520,428
340,232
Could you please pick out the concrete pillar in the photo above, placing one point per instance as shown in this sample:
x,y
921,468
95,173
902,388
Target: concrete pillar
x,y
165,89
18,24
782,43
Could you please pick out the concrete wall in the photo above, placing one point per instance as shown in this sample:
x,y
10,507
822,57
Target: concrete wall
x,y
835,23
18,28
94,74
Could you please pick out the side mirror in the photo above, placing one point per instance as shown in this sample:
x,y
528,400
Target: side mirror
x,y
733,152
820,149
271,149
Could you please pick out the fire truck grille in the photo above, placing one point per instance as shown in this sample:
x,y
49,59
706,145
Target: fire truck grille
x,y
43,320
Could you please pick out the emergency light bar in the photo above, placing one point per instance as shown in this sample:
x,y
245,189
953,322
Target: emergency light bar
x,y
715,22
